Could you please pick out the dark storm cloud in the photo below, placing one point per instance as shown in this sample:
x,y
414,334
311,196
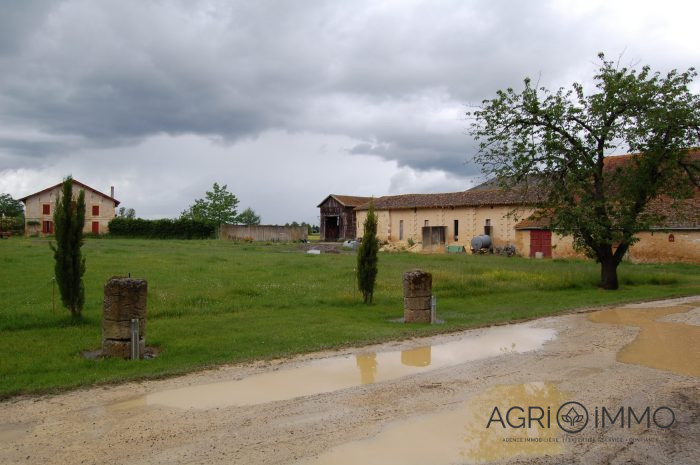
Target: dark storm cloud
x,y
113,73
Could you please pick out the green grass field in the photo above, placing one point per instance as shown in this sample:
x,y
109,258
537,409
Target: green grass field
x,y
213,302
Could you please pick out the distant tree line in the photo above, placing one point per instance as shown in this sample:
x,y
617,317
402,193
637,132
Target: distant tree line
x,y
311,228
199,221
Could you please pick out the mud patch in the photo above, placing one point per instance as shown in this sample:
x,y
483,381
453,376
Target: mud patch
x,y
662,345
459,435
336,373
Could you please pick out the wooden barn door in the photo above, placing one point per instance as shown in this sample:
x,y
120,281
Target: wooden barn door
x,y
541,241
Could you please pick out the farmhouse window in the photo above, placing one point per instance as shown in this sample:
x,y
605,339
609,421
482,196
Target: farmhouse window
x,y
425,223
456,226
46,209
400,230
95,210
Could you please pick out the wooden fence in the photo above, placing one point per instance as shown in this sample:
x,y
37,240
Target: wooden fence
x,y
262,233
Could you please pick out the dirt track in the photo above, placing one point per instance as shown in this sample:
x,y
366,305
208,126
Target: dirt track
x,y
117,425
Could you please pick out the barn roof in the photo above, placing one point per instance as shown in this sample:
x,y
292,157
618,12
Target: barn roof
x,y
347,200
685,214
490,194
75,181
469,198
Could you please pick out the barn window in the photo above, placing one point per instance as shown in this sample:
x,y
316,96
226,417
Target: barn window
x,y
46,209
425,223
95,210
456,226
400,230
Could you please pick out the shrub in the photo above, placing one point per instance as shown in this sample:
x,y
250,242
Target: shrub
x,y
14,225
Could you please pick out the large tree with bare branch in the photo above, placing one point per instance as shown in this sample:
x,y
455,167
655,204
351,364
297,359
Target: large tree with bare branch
x,y
557,142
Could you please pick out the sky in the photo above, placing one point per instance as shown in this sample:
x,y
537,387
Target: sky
x,y
286,102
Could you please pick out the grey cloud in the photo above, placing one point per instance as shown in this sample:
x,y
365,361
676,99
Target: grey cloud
x,y
116,72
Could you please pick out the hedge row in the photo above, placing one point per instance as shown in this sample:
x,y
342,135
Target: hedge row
x,y
161,229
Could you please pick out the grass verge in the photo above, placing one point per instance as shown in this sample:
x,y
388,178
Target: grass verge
x,y
213,302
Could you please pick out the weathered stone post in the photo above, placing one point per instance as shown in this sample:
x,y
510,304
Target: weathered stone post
x,y
125,298
417,289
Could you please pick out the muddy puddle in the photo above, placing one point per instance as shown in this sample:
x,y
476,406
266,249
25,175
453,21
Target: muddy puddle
x,y
663,345
335,373
458,435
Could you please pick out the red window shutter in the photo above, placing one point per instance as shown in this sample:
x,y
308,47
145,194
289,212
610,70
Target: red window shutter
x,y
95,210
46,209
95,227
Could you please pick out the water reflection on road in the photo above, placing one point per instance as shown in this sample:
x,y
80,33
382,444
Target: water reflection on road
x,y
334,373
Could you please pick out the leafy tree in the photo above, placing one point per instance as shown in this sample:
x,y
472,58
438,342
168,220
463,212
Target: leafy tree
x,y
69,220
128,213
556,142
367,256
248,217
218,206
10,207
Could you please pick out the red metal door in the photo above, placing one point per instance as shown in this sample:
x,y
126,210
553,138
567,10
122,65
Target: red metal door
x,y
95,227
541,241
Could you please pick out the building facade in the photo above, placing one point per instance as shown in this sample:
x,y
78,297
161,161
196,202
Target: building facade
x,y
404,219
39,208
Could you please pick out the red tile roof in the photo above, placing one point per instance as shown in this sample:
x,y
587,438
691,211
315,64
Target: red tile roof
x,y
75,181
347,200
534,223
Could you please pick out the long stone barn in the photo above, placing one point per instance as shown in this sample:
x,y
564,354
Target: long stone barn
x,y
440,220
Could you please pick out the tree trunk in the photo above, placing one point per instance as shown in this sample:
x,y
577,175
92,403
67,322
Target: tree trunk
x,y
608,274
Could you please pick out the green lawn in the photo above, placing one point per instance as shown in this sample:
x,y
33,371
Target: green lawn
x,y
213,302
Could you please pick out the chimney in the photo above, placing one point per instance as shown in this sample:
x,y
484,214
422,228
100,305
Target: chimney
x,y
112,191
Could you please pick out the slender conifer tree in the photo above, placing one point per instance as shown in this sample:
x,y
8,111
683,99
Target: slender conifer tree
x,y
367,256
69,219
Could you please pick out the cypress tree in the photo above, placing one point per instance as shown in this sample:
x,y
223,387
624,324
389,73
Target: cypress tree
x,y
367,256
69,219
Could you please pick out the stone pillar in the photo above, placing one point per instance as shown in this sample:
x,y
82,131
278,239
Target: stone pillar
x,y
125,298
417,289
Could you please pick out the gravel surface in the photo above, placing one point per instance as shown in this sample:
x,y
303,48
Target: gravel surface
x,y
115,424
